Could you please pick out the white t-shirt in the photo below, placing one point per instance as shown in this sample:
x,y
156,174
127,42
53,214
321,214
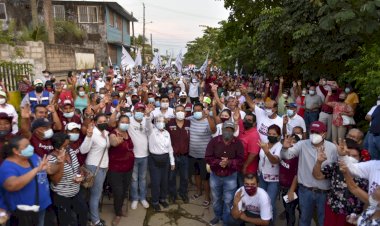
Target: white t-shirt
x,y
219,129
139,135
294,122
193,89
258,204
368,170
99,85
270,171
263,122
168,114
371,112
182,85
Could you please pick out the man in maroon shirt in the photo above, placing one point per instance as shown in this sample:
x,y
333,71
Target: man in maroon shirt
x,y
67,113
178,129
41,135
225,155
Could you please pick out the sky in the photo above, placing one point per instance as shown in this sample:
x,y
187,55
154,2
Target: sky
x,y
175,22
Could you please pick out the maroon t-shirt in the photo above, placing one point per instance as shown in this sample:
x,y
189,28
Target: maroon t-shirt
x,y
180,137
41,147
121,157
288,170
75,147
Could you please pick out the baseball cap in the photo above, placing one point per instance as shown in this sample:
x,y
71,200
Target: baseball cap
x,y
183,93
139,106
40,122
2,93
115,94
38,81
4,115
72,125
318,127
93,71
292,105
228,124
67,102
207,100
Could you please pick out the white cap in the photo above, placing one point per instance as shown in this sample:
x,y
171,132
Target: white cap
x,y
182,93
38,81
72,125
93,71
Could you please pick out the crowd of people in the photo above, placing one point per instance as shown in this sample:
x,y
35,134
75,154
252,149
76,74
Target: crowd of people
x,y
242,140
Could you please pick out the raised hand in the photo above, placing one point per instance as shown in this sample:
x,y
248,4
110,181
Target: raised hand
x,y
343,167
264,146
43,164
282,79
236,114
321,156
342,147
238,197
51,108
25,111
287,141
90,129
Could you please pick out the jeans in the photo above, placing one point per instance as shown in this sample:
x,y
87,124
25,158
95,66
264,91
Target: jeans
x,y
96,192
272,188
290,208
41,217
223,191
66,207
374,146
237,222
159,180
327,120
139,179
240,179
307,201
120,183
181,167
310,117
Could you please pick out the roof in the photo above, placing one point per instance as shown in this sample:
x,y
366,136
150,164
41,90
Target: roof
x,y
112,4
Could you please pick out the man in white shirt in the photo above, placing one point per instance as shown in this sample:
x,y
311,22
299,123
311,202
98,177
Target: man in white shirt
x,y
139,135
9,110
251,204
164,109
292,120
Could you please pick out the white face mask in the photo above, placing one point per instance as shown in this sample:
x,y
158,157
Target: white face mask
x,y
238,94
268,112
352,159
3,100
180,115
285,95
160,125
316,138
164,105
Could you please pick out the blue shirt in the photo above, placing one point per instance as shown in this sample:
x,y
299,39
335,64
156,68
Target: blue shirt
x,y
26,195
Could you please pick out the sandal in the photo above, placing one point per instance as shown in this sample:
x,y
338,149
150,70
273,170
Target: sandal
x,y
195,196
206,203
116,221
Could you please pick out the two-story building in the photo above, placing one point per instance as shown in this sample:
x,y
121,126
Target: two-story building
x,y
107,23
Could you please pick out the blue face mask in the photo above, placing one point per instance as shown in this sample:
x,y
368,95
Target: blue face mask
x,y
129,114
139,115
289,112
151,100
115,102
73,136
158,104
68,114
198,115
28,151
124,126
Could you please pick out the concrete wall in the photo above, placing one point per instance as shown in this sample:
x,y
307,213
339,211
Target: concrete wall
x,y
33,53
59,58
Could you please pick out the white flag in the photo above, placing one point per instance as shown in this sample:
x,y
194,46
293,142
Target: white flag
x,y
236,68
138,60
156,60
204,66
178,61
109,61
126,59
169,63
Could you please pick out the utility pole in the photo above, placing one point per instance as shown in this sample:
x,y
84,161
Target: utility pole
x,y
33,6
151,43
143,44
133,35
49,22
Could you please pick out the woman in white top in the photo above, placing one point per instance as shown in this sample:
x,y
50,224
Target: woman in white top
x,y
225,115
160,157
96,144
269,167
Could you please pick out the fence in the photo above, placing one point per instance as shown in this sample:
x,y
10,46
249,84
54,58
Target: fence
x,y
11,73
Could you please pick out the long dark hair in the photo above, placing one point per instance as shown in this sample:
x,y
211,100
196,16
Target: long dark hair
x,y
14,142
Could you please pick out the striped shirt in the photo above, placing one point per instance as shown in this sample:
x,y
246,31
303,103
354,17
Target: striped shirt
x,y
200,135
66,187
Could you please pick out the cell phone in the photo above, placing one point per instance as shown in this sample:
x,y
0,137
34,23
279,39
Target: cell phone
x,y
286,197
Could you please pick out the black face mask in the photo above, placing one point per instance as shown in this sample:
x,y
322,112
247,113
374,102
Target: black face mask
x,y
39,89
334,91
102,126
247,125
183,100
135,101
272,139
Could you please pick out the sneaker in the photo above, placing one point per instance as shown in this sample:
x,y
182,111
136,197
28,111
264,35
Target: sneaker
x,y
134,205
214,221
145,204
100,224
156,207
164,204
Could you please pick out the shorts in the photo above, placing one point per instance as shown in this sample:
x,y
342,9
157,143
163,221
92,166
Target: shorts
x,y
197,166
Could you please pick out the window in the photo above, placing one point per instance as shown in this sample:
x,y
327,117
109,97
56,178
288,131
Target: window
x,y
119,23
59,12
3,12
112,19
88,14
